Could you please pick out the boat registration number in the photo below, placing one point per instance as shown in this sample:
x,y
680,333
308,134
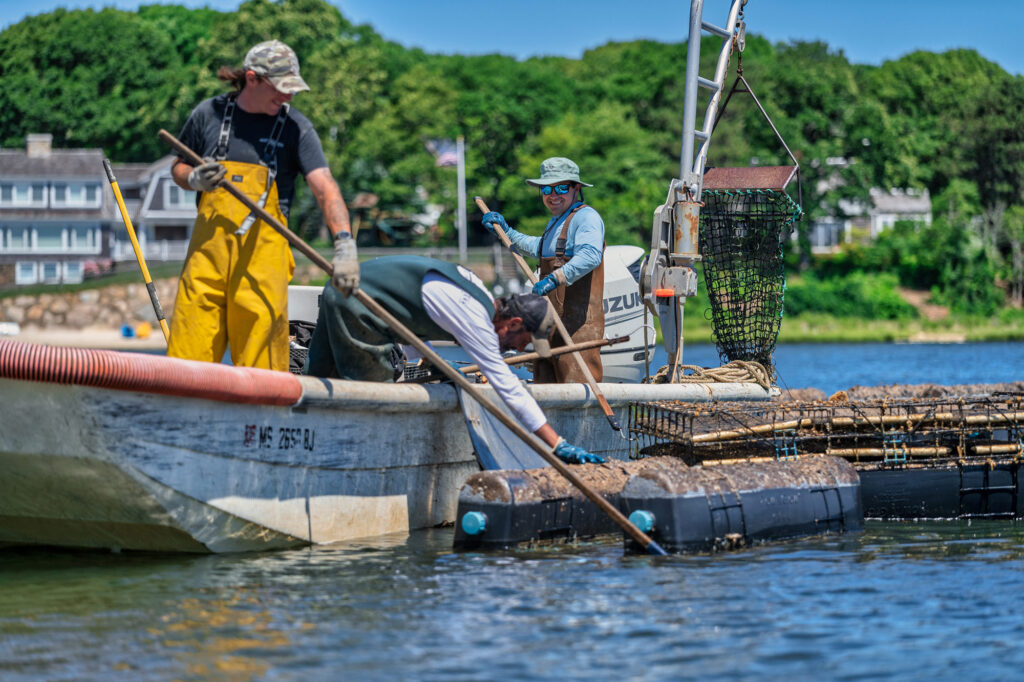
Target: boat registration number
x,y
280,437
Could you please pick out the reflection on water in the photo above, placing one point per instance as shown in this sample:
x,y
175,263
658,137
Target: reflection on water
x,y
916,600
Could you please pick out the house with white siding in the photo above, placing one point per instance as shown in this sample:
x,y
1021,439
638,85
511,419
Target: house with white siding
x,y
59,221
866,219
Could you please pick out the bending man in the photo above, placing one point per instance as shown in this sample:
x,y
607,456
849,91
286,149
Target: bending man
x,y
437,301
571,254
233,290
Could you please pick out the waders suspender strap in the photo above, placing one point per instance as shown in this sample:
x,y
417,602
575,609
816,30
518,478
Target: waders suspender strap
x,y
562,238
269,153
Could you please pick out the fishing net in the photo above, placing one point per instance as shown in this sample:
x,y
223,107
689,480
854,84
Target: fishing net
x,y
741,236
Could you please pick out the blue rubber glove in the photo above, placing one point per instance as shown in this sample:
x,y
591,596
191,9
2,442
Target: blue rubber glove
x,y
546,285
492,218
574,454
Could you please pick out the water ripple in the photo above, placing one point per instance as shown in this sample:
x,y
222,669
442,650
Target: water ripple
x,y
933,600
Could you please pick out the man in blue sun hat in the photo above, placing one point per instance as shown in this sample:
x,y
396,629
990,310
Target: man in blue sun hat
x,y
571,253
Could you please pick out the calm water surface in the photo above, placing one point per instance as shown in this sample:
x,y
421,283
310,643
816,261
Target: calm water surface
x,y
935,600
836,366
931,601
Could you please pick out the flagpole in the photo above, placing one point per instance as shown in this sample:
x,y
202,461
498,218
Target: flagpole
x,y
461,217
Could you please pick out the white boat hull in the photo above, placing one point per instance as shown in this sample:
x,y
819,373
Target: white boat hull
x,y
83,466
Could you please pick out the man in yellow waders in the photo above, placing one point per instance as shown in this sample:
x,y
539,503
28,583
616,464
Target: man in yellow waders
x,y
233,290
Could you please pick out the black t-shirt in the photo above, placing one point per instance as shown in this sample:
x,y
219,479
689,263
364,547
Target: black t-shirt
x,y
298,149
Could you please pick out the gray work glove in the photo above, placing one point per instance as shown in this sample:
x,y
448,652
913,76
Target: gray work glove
x,y
346,264
206,176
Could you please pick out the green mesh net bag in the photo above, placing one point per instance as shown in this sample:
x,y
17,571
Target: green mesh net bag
x,y
741,239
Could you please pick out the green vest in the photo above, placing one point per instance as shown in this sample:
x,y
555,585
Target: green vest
x,y
396,282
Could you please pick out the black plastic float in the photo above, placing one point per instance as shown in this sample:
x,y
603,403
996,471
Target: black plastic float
x,y
701,509
962,490
684,508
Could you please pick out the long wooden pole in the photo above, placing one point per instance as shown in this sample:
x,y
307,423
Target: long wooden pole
x,y
150,287
546,453
530,439
605,407
530,357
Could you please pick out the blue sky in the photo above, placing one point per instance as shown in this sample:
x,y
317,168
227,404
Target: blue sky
x,y
867,31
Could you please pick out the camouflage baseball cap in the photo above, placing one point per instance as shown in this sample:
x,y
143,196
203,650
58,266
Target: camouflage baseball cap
x,y
276,62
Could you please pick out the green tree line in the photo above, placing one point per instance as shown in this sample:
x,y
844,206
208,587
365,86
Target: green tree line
x,y
950,122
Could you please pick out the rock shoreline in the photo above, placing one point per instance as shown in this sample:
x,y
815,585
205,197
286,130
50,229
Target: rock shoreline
x,y
104,308
93,318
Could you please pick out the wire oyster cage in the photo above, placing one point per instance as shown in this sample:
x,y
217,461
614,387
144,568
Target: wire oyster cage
x,y
875,434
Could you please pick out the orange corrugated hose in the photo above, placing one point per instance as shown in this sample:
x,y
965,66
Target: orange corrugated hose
x,y
147,374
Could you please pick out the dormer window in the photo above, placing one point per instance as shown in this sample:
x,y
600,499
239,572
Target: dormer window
x,y
23,194
76,195
176,197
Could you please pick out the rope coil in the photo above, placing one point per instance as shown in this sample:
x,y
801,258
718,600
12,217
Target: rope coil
x,y
735,372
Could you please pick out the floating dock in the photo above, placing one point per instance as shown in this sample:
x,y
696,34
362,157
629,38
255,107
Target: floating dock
x,y
685,509
944,458
702,509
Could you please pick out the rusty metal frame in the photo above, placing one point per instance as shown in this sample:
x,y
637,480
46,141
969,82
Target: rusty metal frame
x,y
750,91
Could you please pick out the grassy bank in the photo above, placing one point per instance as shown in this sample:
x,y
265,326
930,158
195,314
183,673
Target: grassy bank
x,y
820,328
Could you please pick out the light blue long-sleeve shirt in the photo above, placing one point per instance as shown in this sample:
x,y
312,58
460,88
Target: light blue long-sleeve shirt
x,y
584,245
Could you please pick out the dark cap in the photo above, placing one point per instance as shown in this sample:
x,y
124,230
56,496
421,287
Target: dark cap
x,y
538,318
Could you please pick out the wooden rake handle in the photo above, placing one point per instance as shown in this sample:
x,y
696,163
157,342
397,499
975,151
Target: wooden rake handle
x,y
139,256
530,357
566,339
261,212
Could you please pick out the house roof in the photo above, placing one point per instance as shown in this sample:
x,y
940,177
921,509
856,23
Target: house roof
x,y
901,200
86,165
60,164
130,173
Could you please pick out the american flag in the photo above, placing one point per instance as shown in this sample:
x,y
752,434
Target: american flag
x,y
445,152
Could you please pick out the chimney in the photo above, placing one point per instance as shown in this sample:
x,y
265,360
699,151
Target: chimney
x,y
38,144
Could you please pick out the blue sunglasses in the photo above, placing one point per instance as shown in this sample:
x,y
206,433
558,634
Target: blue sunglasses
x,y
559,189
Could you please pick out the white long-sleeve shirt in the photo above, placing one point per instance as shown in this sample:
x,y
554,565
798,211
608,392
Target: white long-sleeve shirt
x,y
462,316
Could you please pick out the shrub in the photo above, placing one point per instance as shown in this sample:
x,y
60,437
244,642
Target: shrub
x,y
860,294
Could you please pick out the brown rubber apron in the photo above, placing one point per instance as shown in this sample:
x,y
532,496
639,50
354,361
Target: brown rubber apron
x,y
581,307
